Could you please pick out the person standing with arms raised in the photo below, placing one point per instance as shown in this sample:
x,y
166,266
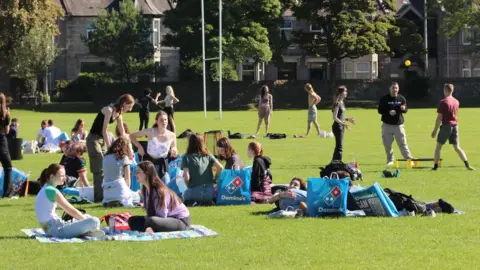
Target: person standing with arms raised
x,y
392,107
98,140
339,119
4,153
145,103
447,116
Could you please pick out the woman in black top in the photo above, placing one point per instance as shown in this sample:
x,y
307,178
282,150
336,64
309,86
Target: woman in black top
x,y
144,103
98,140
339,119
4,153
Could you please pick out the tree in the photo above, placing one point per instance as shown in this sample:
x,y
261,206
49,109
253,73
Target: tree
x,y
27,31
124,38
458,15
407,40
246,32
347,28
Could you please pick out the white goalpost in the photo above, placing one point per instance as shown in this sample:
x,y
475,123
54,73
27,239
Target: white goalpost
x,y
219,58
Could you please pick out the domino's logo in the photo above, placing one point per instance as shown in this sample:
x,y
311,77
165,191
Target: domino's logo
x,y
234,185
332,196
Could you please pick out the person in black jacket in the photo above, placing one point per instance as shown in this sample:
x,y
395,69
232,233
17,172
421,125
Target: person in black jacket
x,y
145,103
392,107
261,177
4,153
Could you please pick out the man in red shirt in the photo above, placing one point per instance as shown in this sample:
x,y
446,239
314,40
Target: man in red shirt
x,y
447,116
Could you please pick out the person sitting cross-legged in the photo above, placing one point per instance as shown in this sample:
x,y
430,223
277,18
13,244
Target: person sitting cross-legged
x,y
75,165
165,210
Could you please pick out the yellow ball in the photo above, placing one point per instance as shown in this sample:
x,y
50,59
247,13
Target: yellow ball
x,y
407,63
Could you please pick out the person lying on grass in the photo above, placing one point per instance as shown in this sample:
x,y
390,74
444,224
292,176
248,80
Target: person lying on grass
x,y
293,197
165,210
261,178
46,205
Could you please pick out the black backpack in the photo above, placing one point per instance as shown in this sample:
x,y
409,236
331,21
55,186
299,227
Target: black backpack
x,y
235,135
338,166
276,136
402,201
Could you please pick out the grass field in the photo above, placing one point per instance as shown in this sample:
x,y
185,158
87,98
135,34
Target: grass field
x,y
248,240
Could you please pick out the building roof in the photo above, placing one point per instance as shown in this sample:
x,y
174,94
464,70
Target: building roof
x,y
404,6
92,8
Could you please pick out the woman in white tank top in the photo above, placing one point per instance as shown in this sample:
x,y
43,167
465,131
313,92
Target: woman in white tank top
x,y
161,143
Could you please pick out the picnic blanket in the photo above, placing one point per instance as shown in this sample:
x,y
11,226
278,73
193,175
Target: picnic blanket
x,y
195,231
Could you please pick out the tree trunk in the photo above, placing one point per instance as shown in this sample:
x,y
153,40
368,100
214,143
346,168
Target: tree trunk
x,y
332,66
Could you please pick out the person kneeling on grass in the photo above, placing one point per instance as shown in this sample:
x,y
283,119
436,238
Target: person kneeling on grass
x,y
165,210
292,197
261,177
46,205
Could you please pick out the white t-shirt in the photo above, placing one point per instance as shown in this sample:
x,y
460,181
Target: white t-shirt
x,y
51,135
168,101
45,206
40,134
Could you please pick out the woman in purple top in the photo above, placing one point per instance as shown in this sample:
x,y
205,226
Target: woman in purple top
x,y
165,211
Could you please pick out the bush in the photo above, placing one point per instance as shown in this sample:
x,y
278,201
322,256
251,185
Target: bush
x,y
82,88
44,98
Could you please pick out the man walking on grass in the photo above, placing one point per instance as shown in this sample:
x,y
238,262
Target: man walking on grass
x,y
392,107
447,116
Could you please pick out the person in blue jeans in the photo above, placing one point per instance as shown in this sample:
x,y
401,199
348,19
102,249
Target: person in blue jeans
x,y
197,166
46,205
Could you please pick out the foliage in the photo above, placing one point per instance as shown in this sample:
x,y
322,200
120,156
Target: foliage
x,y
27,29
407,41
44,98
247,31
229,71
124,38
347,28
23,86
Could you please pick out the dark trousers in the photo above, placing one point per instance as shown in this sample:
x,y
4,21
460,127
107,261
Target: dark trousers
x,y
144,117
338,132
158,224
169,110
7,167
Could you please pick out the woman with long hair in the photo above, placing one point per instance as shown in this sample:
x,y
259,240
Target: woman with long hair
x,y
40,138
117,177
169,101
227,152
162,143
79,134
98,140
339,121
313,100
265,108
46,205
4,152
165,210
197,165
261,177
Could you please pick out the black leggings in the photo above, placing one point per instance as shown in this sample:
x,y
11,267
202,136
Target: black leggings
x,y
144,117
7,167
158,224
338,132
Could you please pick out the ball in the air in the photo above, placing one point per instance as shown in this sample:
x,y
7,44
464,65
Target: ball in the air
x,y
407,63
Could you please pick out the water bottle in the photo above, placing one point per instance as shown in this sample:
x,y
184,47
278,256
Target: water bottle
x,y
111,224
181,183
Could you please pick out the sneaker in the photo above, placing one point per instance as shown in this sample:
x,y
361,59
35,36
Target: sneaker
x,y
470,168
97,233
412,164
283,214
429,213
446,207
434,169
390,163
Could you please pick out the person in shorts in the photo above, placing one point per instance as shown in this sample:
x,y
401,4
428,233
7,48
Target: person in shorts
x,y
313,100
447,117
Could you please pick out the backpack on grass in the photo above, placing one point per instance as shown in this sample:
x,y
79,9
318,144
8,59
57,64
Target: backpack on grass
x,y
337,166
402,201
117,222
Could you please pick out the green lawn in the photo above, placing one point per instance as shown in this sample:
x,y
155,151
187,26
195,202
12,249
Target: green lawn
x,y
248,240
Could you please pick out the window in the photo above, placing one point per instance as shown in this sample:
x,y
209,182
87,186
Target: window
x,y
315,28
348,70
476,72
156,33
90,29
363,71
467,35
466,68
287,25
248,72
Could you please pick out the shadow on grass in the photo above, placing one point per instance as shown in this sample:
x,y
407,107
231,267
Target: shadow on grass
x,y
15,237
262,213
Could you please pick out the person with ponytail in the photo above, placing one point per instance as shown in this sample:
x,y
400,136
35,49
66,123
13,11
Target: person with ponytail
x,y
261,177
46,205
339,119
165,210
98,139
4,152
313,100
